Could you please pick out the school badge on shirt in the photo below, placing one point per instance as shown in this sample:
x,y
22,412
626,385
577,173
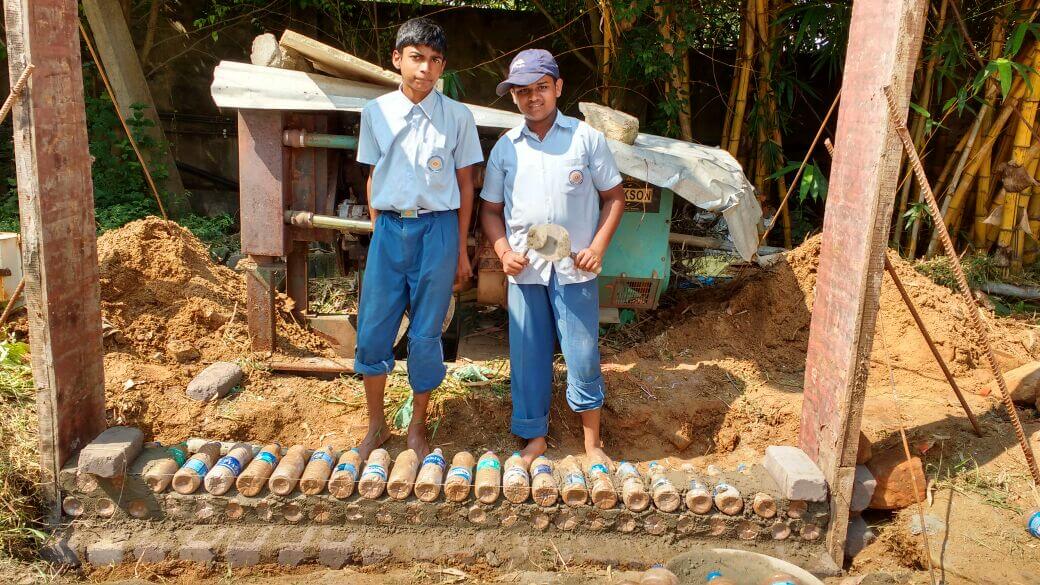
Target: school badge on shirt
x,y
435,164
575,177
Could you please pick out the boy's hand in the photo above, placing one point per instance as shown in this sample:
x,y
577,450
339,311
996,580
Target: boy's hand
x,y
590,260
513,263
464,272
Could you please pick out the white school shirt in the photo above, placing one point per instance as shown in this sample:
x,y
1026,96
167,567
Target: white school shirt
x,y
415,149
552,180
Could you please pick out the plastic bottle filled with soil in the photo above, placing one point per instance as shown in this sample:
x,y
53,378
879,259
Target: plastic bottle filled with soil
x,y
633,490
1033,522
158,473
259,470
459,478
285,477
431,475
402,476
698,498
604,496
543,485
223,475
764,505
189,477
373,478
516,482
488,482
318,470
341,482
575,492
727,499
658,575
664,494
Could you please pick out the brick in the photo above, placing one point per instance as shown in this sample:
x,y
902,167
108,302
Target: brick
x,y
243,554
215,381
111,452
296,553
200,546
155,552
374,555
798,477
106,552
335,555
62,552
894,475
863,487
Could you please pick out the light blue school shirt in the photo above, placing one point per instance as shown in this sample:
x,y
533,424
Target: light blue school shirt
x,y
552,180
415,149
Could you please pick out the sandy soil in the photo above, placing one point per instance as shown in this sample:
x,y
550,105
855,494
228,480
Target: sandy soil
x,y
711,380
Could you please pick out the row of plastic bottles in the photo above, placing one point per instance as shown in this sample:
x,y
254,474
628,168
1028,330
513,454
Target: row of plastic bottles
x,y
658,575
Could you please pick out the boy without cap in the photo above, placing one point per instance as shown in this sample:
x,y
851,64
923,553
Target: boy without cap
x,y
421,146
552,169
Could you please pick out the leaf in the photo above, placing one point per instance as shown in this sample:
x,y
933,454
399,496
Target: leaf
x,y
1017,37
403,416
1004,75
781,172
920,110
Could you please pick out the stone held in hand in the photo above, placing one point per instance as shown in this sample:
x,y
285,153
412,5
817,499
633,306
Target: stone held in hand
x,y
215,381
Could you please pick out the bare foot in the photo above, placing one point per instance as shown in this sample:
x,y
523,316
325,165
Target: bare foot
x,y
417,440
534,448
376,436
597,455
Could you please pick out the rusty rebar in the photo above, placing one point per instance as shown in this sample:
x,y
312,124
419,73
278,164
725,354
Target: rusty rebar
x,y
931,345
16,90
962,282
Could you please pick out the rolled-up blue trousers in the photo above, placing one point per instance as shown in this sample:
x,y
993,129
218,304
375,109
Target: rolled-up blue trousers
x,y
540,315
411,265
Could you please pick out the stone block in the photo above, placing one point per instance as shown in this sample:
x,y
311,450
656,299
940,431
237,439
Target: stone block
x,y
858,537
155,552
373,555
200,546
335,555
863,487
895,475
111,452
106,552
798,477
215,381
244,554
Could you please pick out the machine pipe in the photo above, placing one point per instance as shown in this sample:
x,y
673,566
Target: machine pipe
x,y
306,219
305,139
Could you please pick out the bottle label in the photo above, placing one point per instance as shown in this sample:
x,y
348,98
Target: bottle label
x,y
598,468
461,472
230,463
322,455
720,488
626,469
660,481
713,575
488,463
349,468
574,479
198,466
435,459
179,455
540,469
1034,524
268,457
516,474
376,470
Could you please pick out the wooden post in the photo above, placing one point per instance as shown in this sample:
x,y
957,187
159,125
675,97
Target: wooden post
x,y
884,42
59,246
119,57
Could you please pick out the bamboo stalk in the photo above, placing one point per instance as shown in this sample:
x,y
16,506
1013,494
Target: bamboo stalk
x,y
917,131
737,127
1019,153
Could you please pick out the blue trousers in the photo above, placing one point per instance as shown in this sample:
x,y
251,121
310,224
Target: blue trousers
x,y
411,264
538,316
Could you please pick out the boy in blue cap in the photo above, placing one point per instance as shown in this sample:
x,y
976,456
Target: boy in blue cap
x,y
421,146
552,169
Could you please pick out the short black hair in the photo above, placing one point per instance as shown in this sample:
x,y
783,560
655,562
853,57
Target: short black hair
x,y
422,31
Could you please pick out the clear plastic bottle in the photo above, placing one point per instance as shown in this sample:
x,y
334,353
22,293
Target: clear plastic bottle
x,y
1033,522
717,578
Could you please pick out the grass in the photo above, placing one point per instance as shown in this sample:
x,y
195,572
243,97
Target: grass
x,y
964,475
978,268
20,498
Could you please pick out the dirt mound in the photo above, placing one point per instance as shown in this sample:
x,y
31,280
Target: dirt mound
x,y
164,299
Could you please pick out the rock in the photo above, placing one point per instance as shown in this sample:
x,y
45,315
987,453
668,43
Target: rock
x,y
895,488
111,452
858,537
865,450
612,123
1023,382
798,477
863,488
932,524
181,351
215,381
266,52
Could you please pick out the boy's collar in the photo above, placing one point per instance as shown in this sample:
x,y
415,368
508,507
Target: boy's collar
x,y
562,120
401,105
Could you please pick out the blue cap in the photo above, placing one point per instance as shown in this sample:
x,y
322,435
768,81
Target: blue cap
x,y
527,67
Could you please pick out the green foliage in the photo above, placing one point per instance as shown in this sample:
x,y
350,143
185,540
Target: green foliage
x,y
978,268
812,185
